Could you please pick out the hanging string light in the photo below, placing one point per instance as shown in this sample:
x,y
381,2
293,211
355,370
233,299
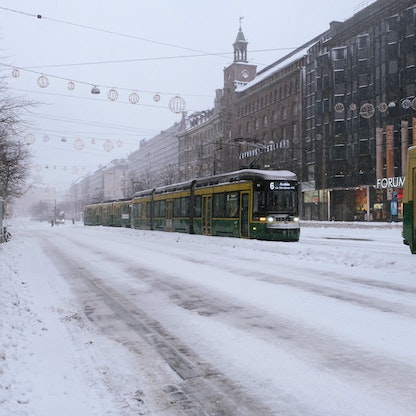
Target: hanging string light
x,y
108,145
43,81
79,144
30,139
177,104
134,97
367,110
112,94
382,107
339,107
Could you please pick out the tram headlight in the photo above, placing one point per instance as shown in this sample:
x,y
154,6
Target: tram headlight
x,y
296,219
270,218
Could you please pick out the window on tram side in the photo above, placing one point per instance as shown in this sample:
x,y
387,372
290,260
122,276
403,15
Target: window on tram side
x,y
232,202
185,206
197,206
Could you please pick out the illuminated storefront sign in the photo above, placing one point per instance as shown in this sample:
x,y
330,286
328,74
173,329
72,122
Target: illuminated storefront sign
x,y
395,182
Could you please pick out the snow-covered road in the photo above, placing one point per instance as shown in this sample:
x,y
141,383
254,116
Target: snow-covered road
x,y
124,322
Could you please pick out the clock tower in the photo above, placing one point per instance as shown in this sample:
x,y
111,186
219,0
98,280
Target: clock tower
x,y
240,72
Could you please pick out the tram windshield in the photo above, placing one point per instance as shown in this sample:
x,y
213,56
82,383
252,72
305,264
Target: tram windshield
x,y
276,197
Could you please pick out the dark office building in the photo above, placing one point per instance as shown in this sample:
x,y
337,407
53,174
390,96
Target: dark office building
x,y
360,113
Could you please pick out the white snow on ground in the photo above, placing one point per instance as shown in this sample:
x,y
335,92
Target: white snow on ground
x,y
53,361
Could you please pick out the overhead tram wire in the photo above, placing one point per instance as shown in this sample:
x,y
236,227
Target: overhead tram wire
x,y
41,17
121,61
200,52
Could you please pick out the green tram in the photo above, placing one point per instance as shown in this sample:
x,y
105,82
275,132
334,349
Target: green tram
x,y
109,213
247,203
409,201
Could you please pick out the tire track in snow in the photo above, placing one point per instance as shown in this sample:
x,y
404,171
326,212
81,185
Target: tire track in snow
x,y
203,389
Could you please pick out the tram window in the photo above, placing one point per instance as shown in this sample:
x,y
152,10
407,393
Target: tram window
x,y
184,207
197,206
177,207
255,202
136,210
231,205
218,205
162,208
156,209
281,200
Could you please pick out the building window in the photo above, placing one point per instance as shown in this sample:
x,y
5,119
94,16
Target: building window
x,y
295,109
364,147
362,42
295,131
339,54
274,117
392,24
340,152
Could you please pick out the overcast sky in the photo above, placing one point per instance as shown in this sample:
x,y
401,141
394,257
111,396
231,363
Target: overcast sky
x,y
153,47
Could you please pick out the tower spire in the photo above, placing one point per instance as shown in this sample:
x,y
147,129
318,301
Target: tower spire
x,y
240,45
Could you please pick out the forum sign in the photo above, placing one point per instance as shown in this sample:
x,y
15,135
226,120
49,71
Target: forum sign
x,y
396,182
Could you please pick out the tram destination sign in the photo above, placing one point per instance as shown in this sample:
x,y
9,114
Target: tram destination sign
x,y
396,182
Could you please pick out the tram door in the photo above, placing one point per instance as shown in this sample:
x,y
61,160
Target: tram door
x,y
244,210
169,225
206,214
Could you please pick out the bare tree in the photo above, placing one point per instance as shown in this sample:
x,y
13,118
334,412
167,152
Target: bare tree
x,y
14,154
